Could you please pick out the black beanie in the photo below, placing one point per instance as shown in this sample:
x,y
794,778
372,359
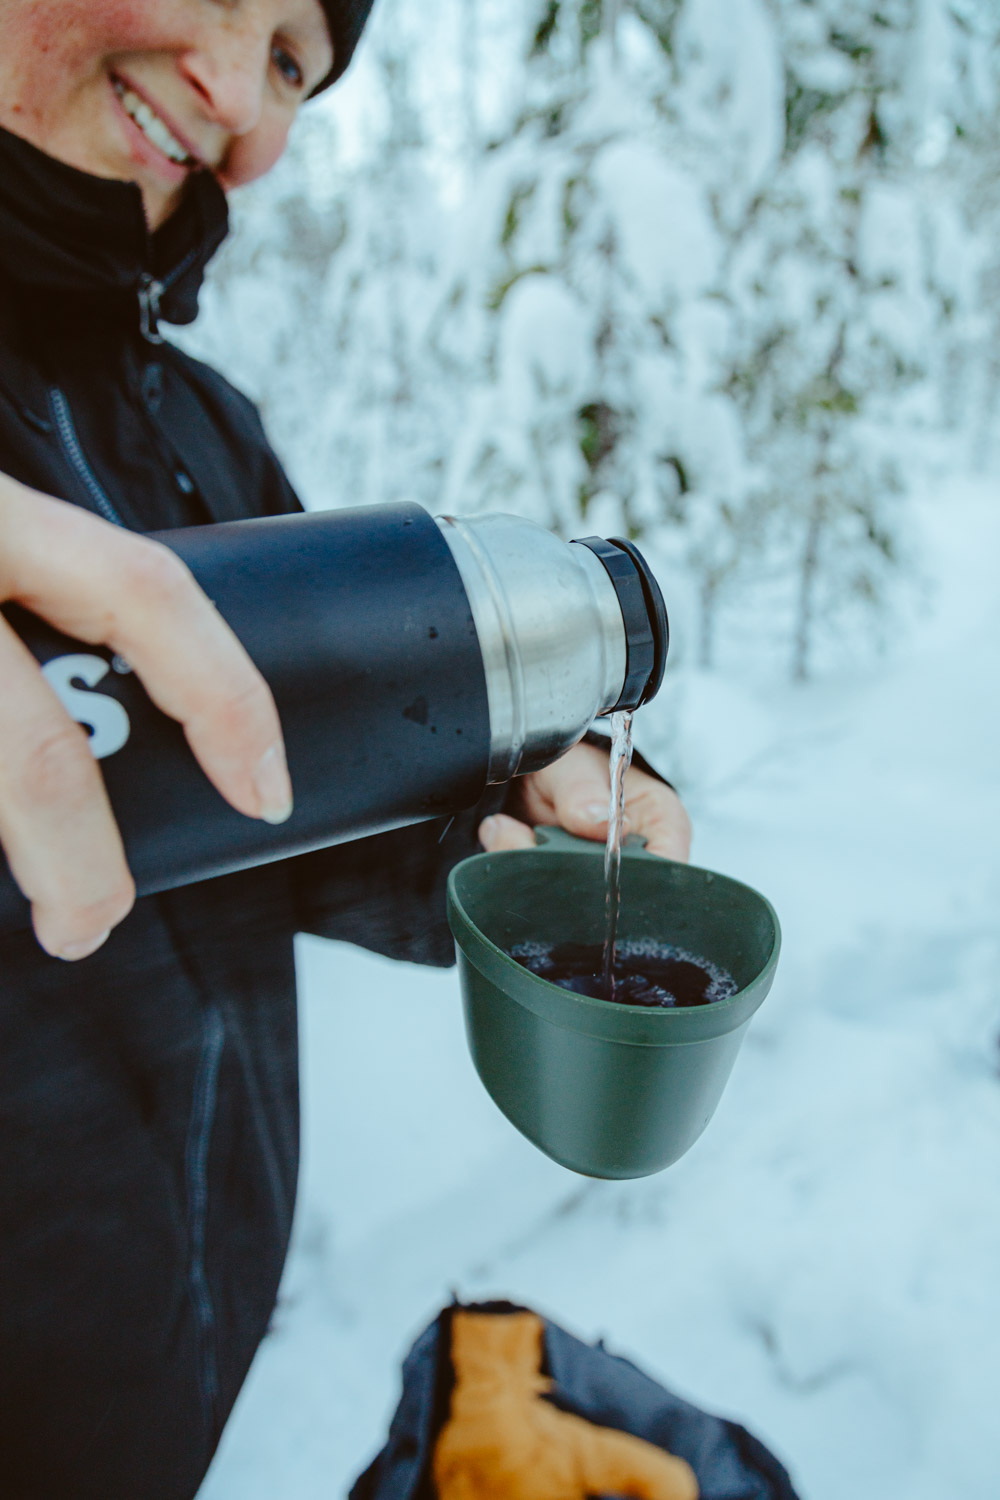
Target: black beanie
x,y
346,19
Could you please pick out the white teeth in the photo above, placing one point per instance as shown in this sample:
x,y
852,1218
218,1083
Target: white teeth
x,y
151,125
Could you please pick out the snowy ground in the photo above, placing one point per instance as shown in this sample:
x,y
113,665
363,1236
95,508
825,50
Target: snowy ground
x,y
823,1264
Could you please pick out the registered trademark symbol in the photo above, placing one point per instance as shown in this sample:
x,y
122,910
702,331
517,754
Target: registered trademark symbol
x,y
119,664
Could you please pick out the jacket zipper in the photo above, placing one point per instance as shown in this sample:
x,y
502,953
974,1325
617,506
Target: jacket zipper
x,y
63,419
196,1156
149,291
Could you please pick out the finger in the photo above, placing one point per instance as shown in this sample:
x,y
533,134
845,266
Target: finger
x,y
106,585
503,832
577,788
61,841
656,812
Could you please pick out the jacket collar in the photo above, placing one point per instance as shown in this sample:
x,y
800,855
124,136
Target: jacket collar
x,y
64,232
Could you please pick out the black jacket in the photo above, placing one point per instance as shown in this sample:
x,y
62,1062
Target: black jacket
x,y
148,1095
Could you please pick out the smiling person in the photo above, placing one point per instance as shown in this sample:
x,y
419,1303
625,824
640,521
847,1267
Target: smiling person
x,y
148,1055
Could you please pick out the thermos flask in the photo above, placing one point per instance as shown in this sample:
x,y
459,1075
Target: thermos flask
x,y
413,661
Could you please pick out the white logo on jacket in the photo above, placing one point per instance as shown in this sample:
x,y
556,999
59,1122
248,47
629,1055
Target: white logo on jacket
x,y
105,717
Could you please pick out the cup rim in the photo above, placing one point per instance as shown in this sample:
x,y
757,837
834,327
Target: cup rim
x,y
645,1026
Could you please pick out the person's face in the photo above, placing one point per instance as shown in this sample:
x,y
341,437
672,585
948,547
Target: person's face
x,y
149,91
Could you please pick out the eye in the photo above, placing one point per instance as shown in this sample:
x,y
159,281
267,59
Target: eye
x,y
287,65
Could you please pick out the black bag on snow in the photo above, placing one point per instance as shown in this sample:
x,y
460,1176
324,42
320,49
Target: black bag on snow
x,y
728,1461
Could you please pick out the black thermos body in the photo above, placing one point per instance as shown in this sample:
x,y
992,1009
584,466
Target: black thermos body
x,y
412,660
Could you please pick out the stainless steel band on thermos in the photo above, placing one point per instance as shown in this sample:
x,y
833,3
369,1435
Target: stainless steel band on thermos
x,y
567,632
411,660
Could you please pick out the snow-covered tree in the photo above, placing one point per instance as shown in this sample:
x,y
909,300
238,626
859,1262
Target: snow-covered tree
x,y
689,270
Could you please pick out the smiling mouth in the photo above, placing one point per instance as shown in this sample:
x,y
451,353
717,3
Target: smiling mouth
x,y
156,131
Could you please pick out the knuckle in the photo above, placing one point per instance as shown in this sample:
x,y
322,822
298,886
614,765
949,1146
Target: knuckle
x,y
83,919
157,576
85,900
59,770
109,907
240,713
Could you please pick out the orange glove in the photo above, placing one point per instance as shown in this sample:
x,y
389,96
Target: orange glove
x,y
501,1443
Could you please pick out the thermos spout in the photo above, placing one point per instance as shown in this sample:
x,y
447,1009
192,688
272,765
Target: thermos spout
x,y
567,632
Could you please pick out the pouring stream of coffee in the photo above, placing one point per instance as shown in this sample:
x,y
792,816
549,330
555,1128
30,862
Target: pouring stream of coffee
x,y
621,759
645,971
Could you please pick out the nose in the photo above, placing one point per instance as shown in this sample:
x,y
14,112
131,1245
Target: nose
x,y
228,69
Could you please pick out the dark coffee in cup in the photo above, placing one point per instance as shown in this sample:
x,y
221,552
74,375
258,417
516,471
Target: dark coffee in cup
x,y
646,972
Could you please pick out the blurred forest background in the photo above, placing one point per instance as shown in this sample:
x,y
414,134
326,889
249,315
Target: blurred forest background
x,y
721,275
715,274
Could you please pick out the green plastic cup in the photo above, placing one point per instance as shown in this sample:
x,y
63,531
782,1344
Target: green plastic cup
x,y
608,1090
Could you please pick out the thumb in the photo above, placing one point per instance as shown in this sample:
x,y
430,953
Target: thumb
x,y
581,801
588,820
503,832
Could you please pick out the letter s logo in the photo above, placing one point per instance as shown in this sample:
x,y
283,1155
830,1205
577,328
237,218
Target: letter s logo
x,y
105,717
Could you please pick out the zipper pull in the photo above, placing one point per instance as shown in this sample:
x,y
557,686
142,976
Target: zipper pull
x,y
149,292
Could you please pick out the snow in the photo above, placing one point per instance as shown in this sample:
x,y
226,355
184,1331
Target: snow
x,y
661,221
693,233
889,237
543,347
822,1264
730,87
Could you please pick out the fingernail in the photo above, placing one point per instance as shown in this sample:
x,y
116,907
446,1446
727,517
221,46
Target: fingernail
x,y
72,951
274,787
488,832
595,812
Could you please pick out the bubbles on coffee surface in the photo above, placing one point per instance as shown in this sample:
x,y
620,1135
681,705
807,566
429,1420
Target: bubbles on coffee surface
x,y
645,972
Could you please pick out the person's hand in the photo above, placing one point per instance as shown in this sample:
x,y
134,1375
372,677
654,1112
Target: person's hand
x,y
574,793
112,587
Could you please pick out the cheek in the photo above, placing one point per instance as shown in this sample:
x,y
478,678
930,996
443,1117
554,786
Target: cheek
x,y
63,42
254,154
118,25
